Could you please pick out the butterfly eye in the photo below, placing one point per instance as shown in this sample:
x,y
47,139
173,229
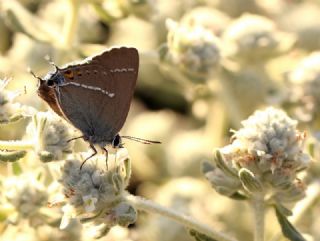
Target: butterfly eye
x,y
116,142
50,82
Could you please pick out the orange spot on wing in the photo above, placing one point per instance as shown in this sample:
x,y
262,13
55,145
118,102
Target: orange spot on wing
x,y
79,73
68,74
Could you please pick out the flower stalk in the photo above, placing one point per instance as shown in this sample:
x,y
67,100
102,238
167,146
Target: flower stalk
x,y
231,104
16,145
146,205
259,213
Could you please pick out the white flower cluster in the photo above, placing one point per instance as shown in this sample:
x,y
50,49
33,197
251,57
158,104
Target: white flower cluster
x,y
9,111
50,135
255,37
25,196
264,156
95,196
270,139
194,48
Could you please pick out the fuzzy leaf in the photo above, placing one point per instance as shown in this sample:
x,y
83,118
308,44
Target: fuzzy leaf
x,y
206,167
220,162
117,182
249,181
288,230
127,166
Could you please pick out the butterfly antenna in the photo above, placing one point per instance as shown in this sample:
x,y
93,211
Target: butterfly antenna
x,y
50,61
144,141
34,75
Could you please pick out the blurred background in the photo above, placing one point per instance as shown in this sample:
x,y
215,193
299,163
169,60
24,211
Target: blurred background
x,y
204,67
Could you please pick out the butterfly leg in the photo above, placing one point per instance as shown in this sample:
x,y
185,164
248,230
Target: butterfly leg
x,y
75,138
94,153
106,151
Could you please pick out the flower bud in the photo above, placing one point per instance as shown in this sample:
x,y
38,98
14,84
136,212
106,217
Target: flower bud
x,y
252,38
193,48
10,111
221,182
26,196
95,195
51,135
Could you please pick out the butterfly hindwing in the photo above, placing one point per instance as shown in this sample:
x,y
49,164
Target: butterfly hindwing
x,y
95,96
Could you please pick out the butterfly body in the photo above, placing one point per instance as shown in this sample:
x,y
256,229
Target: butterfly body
x,y
94,95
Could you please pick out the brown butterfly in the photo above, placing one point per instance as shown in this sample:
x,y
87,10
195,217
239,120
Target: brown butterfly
x,y
94,95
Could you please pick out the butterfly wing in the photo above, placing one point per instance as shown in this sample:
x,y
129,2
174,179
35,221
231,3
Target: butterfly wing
x,y
96,95
48,95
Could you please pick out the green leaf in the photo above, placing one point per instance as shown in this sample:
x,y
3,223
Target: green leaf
x,y
288,230
11,156
45,156
284,211
199,236
17,170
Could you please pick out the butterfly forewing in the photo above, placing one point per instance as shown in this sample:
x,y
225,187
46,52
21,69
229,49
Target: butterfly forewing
x,y
96,96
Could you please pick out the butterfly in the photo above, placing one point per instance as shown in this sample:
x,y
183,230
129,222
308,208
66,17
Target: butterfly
x,y
94,95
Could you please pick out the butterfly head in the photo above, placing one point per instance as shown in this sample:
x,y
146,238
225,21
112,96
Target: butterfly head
x,y
54,78
51,79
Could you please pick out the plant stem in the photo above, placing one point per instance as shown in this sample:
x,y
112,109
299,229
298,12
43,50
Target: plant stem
x,y
231,104
70,24
259,212
16,145
149,206
215,122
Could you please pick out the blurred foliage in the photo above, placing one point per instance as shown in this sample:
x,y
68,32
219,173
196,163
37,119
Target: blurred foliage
x,y
204,67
